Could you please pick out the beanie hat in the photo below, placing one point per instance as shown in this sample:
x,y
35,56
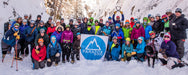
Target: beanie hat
x,y
78,33
42,30
67,26
109,17
151,33
167,34
32,21
128,39
16,24
138,22
117,24
132,18
40,40
91,18
178,10
114,38
157,15
25,20
62,18
168,10
96,21
38,16
117,17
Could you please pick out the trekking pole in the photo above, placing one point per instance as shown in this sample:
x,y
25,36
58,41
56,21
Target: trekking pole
x,y
15,52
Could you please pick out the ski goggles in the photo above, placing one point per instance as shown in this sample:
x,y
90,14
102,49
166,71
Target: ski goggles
x,y
166,37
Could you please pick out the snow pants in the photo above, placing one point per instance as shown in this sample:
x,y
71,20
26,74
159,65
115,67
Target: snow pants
x,y
38,65
53,59
180,47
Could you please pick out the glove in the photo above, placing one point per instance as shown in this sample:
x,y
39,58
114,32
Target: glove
x,y
37,51
129,54
132,41
18,37
119,37
124,52
133,53
49,60
121,12
16,33
115,12
122,59
57,55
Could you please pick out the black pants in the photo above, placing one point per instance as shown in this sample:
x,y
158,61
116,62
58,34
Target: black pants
x,y
135,44
6,47
38,64
180,47
75,52
53,59
23,46
66,51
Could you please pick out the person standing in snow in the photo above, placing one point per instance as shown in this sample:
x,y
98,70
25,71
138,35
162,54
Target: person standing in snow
x,y
79,20
158,26
83,25
132,22
75,30
118,33
114,50
91,21
62,23
30,33
48,23
178,31
42,35
97,28
9,40
51,29
127,49
58,33
71,24
166,23
89,30
101,22
111,24
66,43
148,28
117,17
76,48
106,30
152,20
38,19
41,26
140,49
39,54
18,20
127,29
138,31
53,51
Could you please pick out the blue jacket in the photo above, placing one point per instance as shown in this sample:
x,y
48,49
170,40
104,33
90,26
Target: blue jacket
x,y
118,34
89,32
9,38
127,49
58,35
119,20
140,47
170,49
83,26
27,32
114,51
147,30
22,28
107,30
52,50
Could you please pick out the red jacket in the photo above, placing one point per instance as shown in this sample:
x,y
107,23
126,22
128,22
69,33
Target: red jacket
x,y
132,24
41,55
50,30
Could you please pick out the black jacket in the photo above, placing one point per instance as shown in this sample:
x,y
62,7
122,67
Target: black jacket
x,y
158,26
178,28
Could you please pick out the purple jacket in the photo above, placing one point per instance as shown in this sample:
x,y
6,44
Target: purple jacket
x,y
58,35
137,33
170,49
67,37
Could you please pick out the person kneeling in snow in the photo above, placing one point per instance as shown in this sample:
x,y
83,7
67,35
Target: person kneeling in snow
x,y
168,54
53,51
114,49
140,49
39,54
127,49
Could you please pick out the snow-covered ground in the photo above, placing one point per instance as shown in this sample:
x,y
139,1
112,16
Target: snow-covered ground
x,y
99,7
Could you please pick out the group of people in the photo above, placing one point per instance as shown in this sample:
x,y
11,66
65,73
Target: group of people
x,y
51,41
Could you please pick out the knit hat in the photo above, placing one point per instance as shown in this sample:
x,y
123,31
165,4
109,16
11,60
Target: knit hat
x,y
178,10
67,26
132,18
167,35
157,15
41,21
138,22
40,40
117,17
58,21
117,24
151,33
38,16
50,18
62,18
164,16
78,33
101,19
96,21
114,38
135,20
71,20
24,20
16,24
32,21
25,15
109,17
149,15
168,10
42,30
145,18
91,18
128,39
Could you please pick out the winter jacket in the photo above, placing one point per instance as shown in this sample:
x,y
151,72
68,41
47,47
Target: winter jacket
x,y
92,23
41,55
83,26
37,22
52,50
27,32
86,31
131,24
170,48
114,50
101,24
47,24
50,30
97,29
67,36
75,31
9,37
45,38
158,26
126,32
140,47
119,20
107,30
22,28
58,27
43,27
58,36
127,48
137,32
63,24
147,30
178,30
166,26
118,34
14,23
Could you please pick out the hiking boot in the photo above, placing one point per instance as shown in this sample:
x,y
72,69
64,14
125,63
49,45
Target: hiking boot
x,y
18,58
56,64
72,61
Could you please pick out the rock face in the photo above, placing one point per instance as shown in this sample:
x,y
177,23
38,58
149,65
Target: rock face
x,y
105,8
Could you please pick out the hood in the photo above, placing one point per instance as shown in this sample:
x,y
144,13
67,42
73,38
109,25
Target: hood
x,y
143,42
59,26
53,37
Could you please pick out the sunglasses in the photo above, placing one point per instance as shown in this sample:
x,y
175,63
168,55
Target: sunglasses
x,y
166,37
